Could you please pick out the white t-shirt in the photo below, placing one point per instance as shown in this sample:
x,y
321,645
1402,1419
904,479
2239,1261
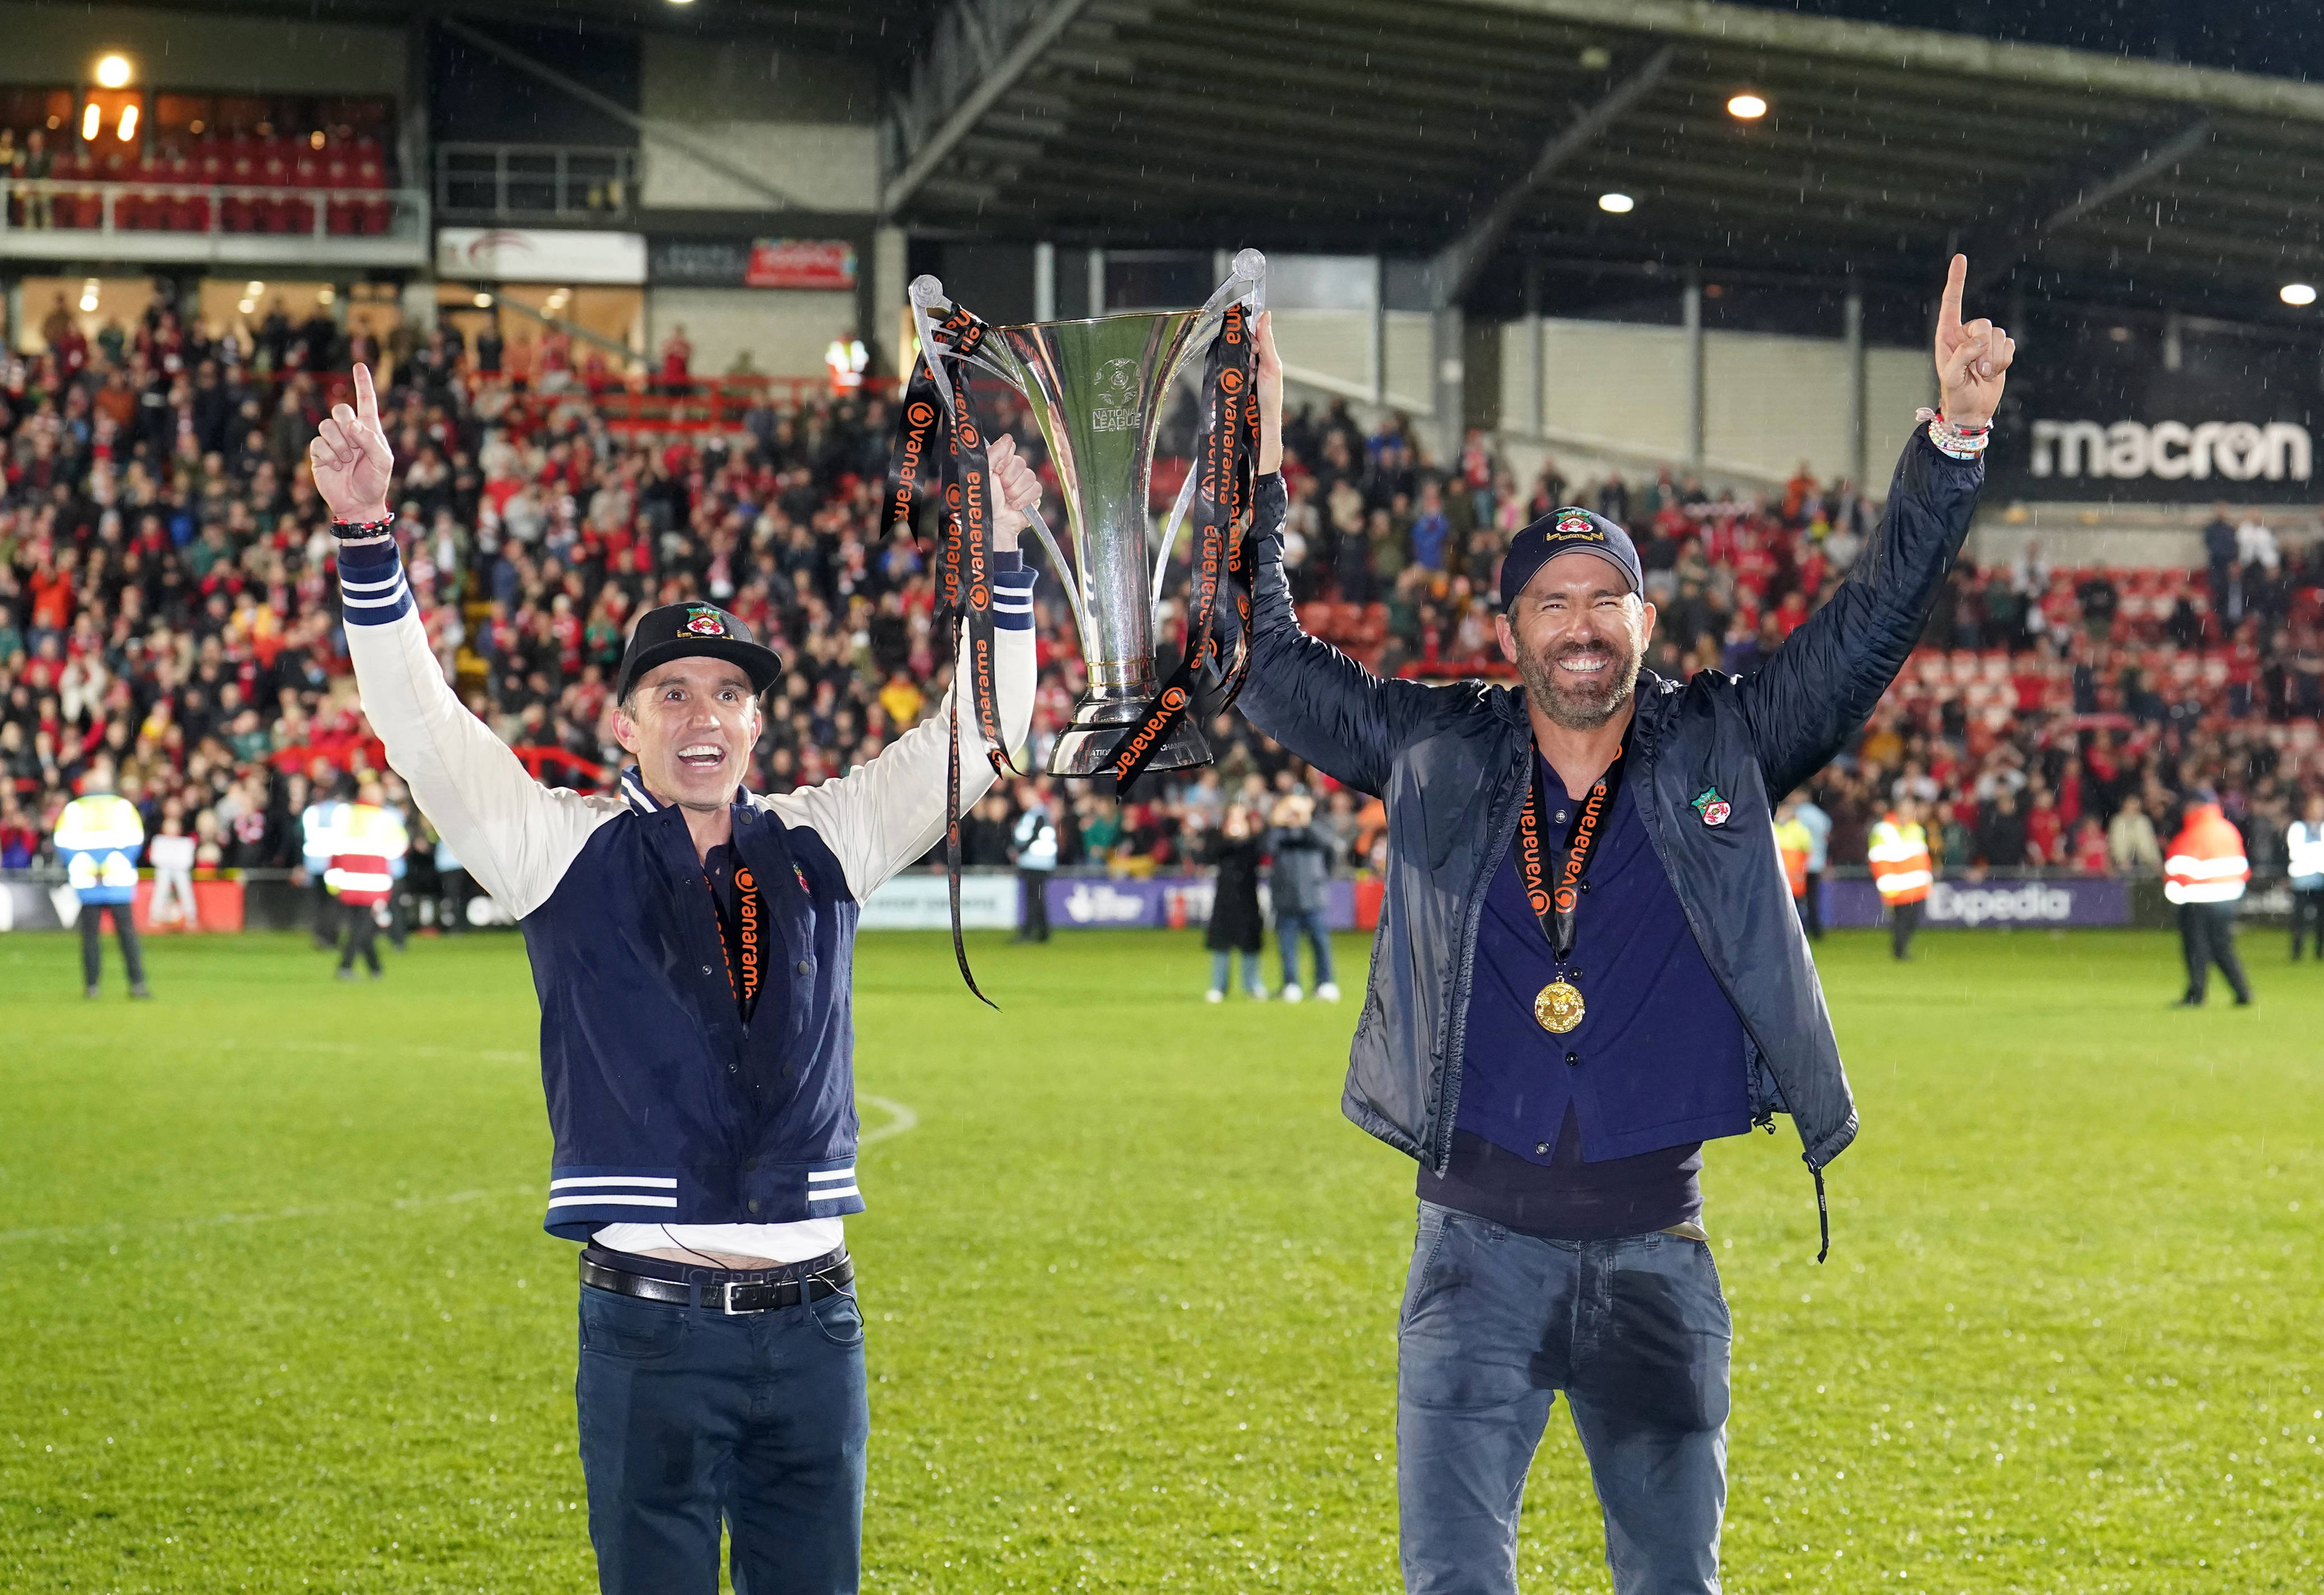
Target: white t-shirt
x,y
778,1243
170,852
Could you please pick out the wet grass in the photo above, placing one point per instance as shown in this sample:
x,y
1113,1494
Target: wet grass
x,y
280,1313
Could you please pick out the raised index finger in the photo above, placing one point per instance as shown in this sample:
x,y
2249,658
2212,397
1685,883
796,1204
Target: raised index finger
x,y
1949,310
367,400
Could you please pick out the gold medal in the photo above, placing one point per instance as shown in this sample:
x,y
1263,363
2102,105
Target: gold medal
x,y
1558,1007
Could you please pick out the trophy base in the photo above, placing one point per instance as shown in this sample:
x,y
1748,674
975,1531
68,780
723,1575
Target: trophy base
x,y
1099,722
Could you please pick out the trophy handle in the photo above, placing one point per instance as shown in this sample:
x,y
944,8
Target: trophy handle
x,y
1040,525
926,293
1246,279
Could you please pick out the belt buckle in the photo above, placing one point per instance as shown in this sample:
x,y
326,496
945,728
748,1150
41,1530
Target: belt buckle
x,y
726,1305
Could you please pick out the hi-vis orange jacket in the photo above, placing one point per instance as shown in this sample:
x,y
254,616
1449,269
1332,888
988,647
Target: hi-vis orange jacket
x,y
1797,845
1901,871
2206,862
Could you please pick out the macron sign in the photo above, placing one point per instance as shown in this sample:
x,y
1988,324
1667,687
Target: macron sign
x,y
2175,451
2128,408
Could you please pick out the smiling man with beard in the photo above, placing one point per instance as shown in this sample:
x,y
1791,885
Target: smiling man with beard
x,y
1587,965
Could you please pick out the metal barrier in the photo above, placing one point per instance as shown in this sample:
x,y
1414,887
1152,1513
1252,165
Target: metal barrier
x,y
710,404
71,205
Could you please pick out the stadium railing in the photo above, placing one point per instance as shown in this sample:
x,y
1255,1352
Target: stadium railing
x,y
214,210
709,404
1098,897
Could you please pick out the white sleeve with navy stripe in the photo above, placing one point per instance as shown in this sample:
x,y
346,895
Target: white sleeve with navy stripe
x,y
517,837
513,835
880,816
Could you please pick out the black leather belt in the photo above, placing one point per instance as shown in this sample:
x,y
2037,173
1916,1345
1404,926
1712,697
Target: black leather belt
x,y
728,1296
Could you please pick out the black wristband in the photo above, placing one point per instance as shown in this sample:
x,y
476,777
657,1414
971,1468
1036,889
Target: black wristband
x,y
360,531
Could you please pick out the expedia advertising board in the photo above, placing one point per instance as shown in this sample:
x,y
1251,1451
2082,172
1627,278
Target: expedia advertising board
x,y
2059,903
2102,412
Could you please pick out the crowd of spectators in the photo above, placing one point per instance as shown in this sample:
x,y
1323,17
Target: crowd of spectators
x,y
2054,717
168,608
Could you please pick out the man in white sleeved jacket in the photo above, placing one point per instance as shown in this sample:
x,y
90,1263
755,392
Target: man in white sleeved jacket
x,y
692,948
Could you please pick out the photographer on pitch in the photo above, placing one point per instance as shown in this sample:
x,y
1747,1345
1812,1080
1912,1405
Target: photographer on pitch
x,y
692,949
1588,964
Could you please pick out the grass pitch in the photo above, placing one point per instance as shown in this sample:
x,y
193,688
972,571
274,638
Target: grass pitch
x,y
279,1313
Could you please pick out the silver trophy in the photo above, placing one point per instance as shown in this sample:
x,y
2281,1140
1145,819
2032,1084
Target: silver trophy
x,y
1096,389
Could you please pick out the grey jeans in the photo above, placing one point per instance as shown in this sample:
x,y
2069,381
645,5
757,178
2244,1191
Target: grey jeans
x,y
1635,1332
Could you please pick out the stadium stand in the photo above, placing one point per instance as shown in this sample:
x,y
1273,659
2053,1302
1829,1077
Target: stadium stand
x,y
202,163
167,607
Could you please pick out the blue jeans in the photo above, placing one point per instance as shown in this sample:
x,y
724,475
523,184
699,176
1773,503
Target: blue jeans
x,y
1288,929
1220,957
1635,1332
689,1417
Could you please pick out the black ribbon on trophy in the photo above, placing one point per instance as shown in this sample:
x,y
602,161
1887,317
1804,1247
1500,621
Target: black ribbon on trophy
x,y
1554,894
936,409
1223,462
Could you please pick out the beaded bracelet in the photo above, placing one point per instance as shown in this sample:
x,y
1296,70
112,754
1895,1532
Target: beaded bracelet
x,y
1955,441
362,532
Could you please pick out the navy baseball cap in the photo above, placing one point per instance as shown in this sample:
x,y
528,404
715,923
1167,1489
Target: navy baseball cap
x,y
1570,531
688,630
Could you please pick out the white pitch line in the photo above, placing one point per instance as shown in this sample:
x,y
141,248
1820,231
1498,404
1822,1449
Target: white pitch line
x,y
899,1118
115,1227
228,1044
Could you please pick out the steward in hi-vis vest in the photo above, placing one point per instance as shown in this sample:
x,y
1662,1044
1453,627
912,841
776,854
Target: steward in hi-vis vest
x,y
2203,874
99,837
1796,844
367,844
2304,841
1901,871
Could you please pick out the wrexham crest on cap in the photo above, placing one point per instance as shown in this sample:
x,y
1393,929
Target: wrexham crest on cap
x,y
1573,524
1711,806
706,623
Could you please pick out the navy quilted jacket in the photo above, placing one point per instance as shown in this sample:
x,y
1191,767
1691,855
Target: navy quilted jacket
x,y
1450,763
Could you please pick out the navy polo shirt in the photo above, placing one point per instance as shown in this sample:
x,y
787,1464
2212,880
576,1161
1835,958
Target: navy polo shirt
x,y
1597,1132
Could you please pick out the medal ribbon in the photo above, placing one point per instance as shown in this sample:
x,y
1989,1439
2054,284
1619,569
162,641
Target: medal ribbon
x,y
1222,463
936,408
1557,902
936,404
748,913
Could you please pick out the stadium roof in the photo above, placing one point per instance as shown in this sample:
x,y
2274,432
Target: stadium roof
x,y
1493,126
1481,132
